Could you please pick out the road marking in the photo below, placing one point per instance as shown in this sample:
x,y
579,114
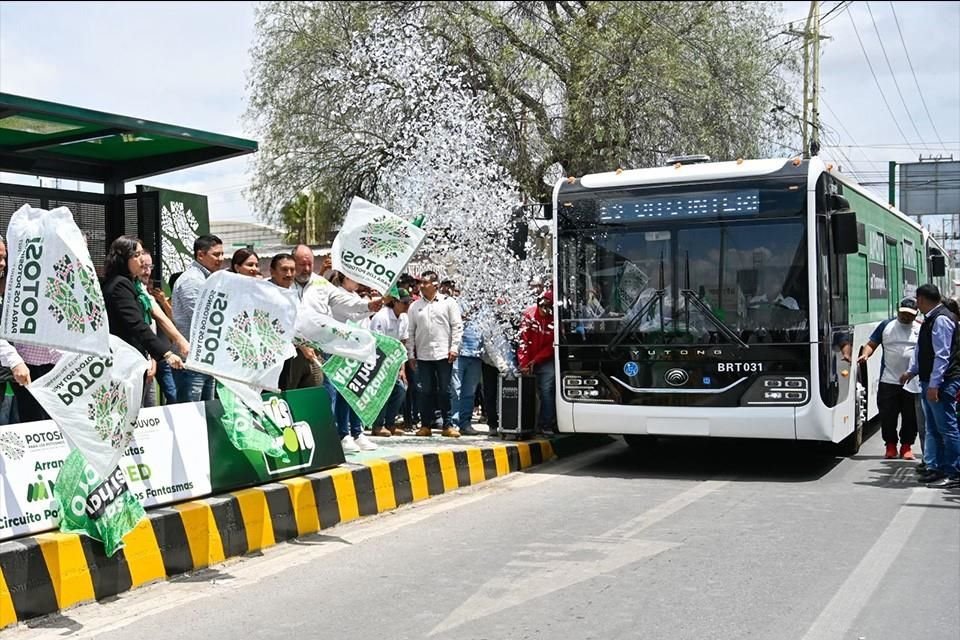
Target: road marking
x,y
539,569
841,612
647,519
93,619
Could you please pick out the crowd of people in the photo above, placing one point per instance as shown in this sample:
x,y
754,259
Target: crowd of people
x,y
920,384
451,351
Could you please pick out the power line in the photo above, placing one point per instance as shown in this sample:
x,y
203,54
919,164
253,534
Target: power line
x,y
846,131
826,17
874,74
892,74
915,81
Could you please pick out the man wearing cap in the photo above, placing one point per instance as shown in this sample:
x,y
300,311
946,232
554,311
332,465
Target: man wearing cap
x,y
535,356
895,401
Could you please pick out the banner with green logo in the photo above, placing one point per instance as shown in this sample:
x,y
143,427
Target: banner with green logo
x,y
367,386
242,330
89,504
52,297
95,401
373,245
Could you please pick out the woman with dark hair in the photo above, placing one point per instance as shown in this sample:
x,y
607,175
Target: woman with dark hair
x,y
245,262
128,311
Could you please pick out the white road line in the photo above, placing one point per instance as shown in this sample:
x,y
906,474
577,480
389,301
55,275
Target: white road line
x,y
840,613
93,619
634,526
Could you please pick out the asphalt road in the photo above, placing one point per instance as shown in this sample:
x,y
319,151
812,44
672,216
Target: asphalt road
x,y
700,541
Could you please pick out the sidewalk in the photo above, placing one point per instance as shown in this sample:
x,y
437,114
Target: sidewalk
x,y
51,572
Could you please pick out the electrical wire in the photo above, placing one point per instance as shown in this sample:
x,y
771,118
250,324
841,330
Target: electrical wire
x,y
915,81
894,75
866,57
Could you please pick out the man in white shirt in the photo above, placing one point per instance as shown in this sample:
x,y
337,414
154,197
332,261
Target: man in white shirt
x,y
436,330
895,401
392,321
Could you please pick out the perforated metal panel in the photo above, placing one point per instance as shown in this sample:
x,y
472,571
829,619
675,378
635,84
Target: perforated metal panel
x,y
90,217
8,206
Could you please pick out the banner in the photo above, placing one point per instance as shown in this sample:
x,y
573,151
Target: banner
x,y
374,245
89,504
242,330
95,401
367,386
178,452
52,297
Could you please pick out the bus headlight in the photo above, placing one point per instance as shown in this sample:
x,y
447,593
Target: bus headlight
x,y
778,390
583,388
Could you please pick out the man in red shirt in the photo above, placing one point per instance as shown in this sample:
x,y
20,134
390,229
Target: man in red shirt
x,y
535,356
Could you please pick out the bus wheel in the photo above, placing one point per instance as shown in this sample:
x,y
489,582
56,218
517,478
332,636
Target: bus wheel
x,y
850,445
642,444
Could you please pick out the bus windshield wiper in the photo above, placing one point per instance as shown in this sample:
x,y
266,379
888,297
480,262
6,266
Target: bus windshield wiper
x,y
636,319
692,298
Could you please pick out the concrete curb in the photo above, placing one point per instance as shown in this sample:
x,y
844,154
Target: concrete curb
x,y
50,572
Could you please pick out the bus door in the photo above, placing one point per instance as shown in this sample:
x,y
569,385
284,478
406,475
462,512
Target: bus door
x,y
894,279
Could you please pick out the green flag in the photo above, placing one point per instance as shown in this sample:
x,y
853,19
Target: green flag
x,y
247,430
367,386
105,510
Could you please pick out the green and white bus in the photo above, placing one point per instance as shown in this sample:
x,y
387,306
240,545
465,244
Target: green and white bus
x,y
727,299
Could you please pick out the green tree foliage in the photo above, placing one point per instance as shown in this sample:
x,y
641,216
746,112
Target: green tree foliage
x,y
310,217
589,85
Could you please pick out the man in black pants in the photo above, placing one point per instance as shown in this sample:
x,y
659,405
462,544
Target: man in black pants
x,y
898,336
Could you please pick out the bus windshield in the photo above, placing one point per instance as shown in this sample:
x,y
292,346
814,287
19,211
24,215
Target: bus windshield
x,y
695,268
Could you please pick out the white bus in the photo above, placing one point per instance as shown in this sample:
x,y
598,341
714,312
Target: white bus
x,y
726,299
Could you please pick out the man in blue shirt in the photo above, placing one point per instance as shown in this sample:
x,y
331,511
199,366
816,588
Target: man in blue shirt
x,y
937,363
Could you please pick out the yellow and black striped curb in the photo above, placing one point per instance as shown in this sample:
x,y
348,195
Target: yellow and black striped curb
x,y
50,572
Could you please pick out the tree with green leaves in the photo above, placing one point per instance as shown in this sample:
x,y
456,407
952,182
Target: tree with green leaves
x,y
310,217
576,87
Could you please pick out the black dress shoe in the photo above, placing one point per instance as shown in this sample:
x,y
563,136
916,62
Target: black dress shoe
x,y
945,483
469,431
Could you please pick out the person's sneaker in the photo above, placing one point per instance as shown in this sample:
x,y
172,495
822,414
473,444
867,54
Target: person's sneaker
x,y
364,443
450,432
891,452
930,476
424,431
381,432
906,453
945,483
469,431
349,446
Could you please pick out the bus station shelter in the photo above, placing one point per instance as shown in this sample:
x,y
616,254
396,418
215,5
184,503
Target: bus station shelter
x,y
53,140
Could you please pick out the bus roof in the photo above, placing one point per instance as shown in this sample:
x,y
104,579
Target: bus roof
x,y
683,173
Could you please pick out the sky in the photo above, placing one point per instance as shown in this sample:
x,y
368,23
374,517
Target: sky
x,y
185,63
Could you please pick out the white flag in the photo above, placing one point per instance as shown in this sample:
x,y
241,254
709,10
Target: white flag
x,y
242,330
52,298
332,337
374,246
95,401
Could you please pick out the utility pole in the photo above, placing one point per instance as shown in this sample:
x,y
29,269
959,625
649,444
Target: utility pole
x,y
810,120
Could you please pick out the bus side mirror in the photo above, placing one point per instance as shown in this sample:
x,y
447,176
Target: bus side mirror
x,y
938,266
844,230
